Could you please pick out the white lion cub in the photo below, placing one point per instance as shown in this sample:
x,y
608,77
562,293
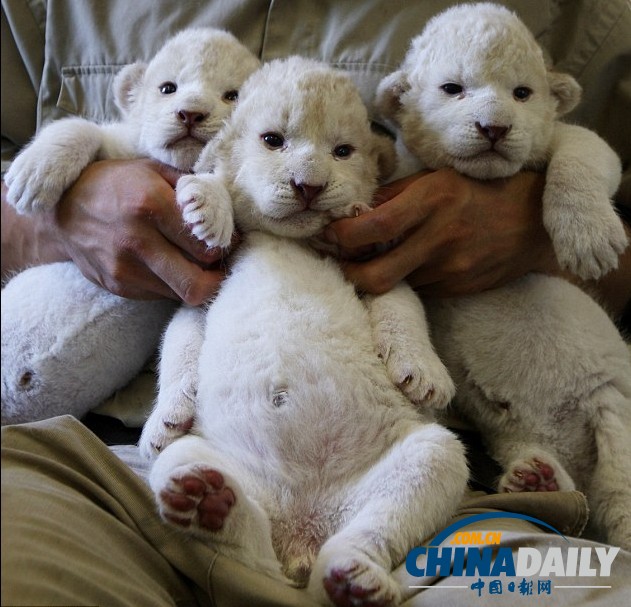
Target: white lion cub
x,y
171,108
307,459
538,365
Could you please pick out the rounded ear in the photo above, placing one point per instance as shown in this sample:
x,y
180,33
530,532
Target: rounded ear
x,y
383,148
389,91
126,85
566,91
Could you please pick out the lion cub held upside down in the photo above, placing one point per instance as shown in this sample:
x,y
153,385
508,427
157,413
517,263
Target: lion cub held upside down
x,y
539,367
311,456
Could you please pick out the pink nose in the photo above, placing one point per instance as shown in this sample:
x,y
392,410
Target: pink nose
x,y
307,192
190,118
492,132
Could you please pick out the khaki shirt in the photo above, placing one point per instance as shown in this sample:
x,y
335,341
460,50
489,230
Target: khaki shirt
x,y
59,56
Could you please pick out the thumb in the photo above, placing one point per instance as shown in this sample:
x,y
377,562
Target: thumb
x,y
169,173
390,190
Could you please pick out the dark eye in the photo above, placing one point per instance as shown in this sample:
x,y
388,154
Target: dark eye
x,y
230,95
273,140
168,88
343,151
451,88
521,93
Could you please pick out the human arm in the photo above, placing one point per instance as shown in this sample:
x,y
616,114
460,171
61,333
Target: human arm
x,y
461,236
26,240
120,224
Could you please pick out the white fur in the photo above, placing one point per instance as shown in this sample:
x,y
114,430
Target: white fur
x,y
490,54
334,473
539,367
204,64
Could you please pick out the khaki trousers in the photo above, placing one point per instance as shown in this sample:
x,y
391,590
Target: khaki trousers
x,y
79,527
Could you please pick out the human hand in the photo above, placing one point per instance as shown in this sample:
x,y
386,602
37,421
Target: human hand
x,y
453,235
121,225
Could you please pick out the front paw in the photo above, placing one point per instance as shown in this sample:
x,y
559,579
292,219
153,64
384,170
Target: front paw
x,y
589,247
34,183
167,423
207,208
422,378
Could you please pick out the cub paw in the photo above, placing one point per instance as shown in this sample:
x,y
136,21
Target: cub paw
x,y
589,247
425,381
46,168
356,580
537,473
161,428
196,496
207,208
35,185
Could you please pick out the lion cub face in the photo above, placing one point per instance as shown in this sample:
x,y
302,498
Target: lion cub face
x,y
180,99
300,150
474,93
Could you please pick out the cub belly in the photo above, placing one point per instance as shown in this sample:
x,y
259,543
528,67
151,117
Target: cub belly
x,y
314,382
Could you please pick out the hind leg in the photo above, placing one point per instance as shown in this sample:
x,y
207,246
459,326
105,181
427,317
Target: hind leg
x,y
175,407
609,492
203,492
405,497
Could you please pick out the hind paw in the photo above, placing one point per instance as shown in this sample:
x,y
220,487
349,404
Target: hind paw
x,y
196,496
535,474
356,580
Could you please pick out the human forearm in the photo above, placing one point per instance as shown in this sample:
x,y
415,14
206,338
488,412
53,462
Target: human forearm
x,y
27,240
121,225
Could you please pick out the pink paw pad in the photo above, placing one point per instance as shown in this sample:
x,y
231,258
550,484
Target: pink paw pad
x,y
344,592
203,494
531,476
